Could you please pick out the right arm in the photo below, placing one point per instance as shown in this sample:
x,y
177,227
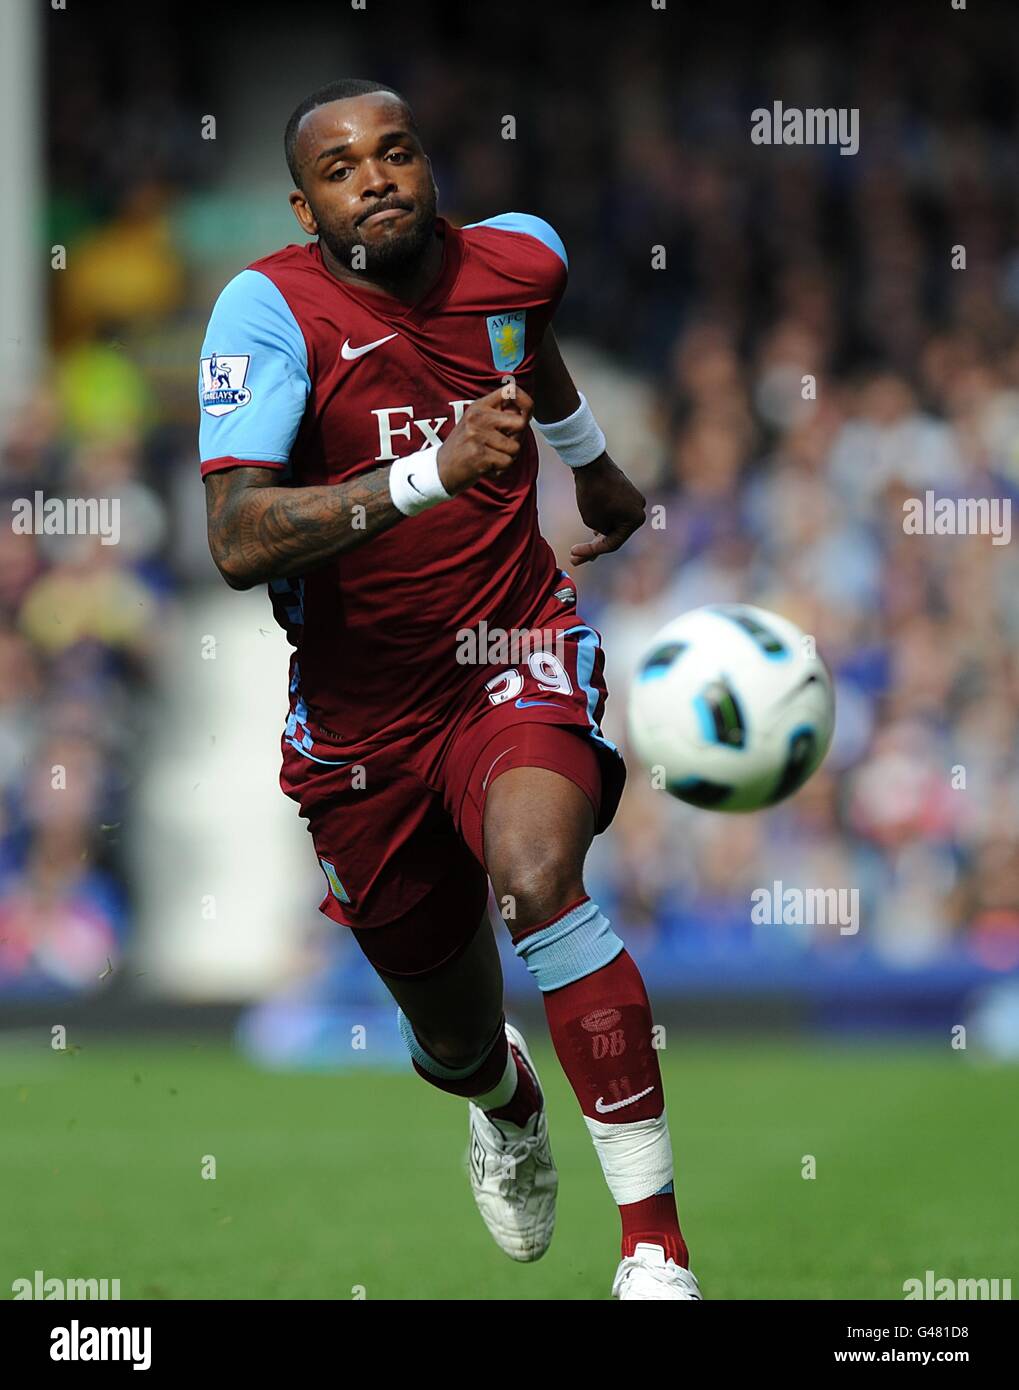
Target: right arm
x,y
259,530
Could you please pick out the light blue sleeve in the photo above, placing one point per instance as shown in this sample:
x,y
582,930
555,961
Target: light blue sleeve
x,y
531,226
253,381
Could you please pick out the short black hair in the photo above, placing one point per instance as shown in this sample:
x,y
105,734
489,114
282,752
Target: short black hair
x,y
340,90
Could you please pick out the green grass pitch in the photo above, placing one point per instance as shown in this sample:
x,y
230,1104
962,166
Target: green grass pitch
x,y
330,1183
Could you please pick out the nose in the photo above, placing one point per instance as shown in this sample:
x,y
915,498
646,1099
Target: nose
x,y
377,179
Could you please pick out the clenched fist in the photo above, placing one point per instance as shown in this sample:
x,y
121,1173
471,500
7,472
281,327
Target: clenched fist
x,y
488,438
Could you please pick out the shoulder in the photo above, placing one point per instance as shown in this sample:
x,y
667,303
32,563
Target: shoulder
x,y
518,225
254,306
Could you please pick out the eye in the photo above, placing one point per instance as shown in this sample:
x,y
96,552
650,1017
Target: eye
x,y
338,174
401,155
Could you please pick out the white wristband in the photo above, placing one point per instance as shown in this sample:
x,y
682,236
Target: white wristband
x,y
414,482
577,439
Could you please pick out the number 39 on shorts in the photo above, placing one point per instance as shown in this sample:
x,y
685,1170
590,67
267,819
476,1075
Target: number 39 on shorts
x,y
546,670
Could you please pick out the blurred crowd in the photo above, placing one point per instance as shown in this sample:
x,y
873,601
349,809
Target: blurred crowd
x,y
798,506
79,631
782,265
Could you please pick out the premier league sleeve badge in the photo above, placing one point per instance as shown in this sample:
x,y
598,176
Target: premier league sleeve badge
x,y
222,384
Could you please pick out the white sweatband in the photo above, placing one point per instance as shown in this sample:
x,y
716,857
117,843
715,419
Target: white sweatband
x,y
414,482
577,439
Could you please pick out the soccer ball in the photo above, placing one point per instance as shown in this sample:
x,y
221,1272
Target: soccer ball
x,y
734,705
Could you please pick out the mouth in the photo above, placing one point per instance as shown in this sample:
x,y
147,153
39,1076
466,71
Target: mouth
x,y
390,214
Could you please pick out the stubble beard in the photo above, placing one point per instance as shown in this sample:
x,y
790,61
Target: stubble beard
x,y
394,254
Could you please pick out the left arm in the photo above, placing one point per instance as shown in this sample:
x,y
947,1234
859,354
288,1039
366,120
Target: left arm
x,y
606,499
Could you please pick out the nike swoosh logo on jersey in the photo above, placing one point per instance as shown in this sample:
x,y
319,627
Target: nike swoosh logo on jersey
x,y
522,704
349,353
604,1109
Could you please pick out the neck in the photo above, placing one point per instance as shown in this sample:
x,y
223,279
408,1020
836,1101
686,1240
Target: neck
x,y
408,284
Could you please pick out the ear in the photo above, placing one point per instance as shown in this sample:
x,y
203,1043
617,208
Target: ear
x,y
302,211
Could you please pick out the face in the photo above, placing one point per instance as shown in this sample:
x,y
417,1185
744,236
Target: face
x,y
366,182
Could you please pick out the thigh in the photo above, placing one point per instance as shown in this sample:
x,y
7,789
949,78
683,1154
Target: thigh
x,y
433,933
537,827
535,795
382,837
544,712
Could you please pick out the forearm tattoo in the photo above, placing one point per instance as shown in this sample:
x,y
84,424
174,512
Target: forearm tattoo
x,y
258,532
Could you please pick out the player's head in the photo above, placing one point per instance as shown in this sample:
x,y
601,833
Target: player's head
x,y
353,151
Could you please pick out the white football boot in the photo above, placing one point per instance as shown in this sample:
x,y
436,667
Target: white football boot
x,y
514,1181
648,1274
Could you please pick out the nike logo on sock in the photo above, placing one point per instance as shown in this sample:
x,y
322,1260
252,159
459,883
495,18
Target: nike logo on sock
x,y
604,1109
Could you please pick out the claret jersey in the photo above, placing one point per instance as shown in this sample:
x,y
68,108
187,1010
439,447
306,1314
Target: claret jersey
x,y
323,381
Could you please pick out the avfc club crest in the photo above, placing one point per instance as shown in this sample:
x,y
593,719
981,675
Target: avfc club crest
x,y
335,886
506,335
222,386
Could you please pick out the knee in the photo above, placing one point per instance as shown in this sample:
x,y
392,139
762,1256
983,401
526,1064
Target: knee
x,y
533,881
452,1046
